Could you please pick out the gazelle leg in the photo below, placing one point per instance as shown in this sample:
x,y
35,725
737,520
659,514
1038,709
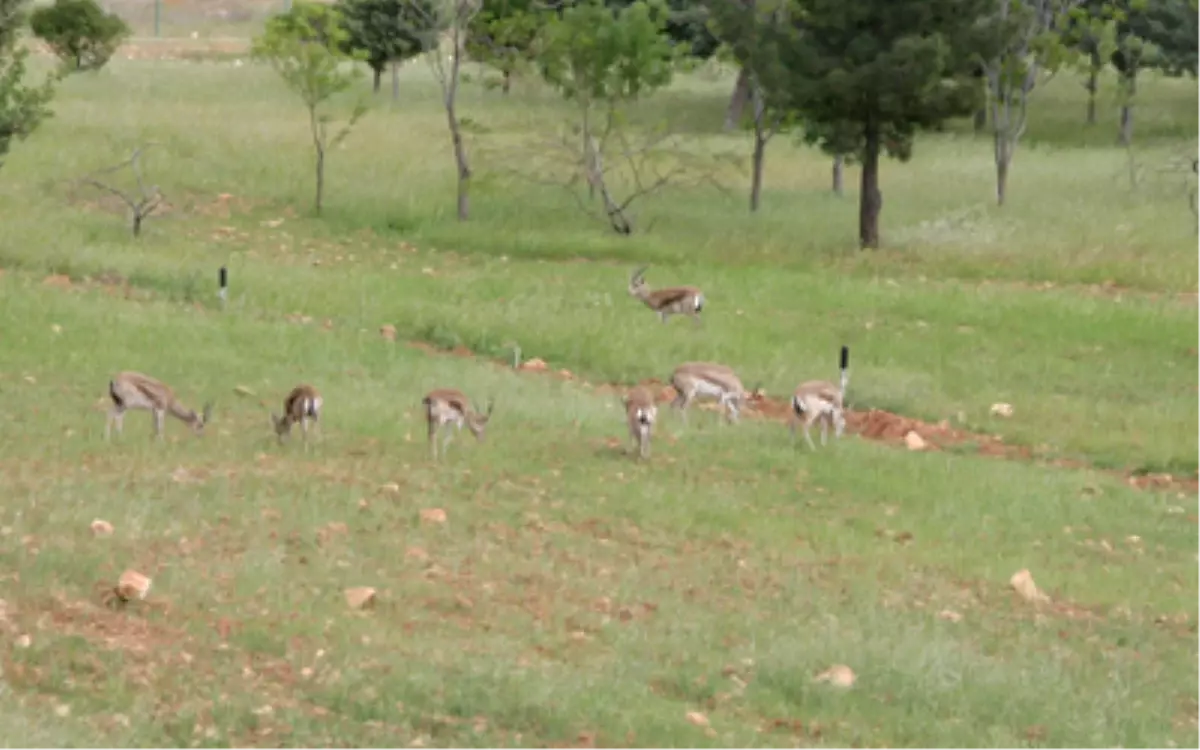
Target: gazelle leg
x,y
839,423
825,430
433,430
115,415
160,417
807,435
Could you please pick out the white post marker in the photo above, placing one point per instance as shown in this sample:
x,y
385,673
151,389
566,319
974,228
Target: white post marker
x,y
223,281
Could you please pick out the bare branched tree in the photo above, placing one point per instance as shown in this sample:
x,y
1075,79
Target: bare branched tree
x,y
618,166
141,204
447,71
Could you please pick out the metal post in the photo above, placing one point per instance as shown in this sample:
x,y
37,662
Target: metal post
x,y
223,284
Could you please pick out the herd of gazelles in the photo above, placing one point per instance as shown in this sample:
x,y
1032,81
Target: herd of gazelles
x,y
813,401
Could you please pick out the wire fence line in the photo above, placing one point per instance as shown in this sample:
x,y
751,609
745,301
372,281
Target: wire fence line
x,y
193,19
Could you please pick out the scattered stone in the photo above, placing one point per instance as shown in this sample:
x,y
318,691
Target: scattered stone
x,y
1002,410
360,597
839,675
388,332
102,528
914,441
949,615
1022,583
697,718
132,585
24,640
433,515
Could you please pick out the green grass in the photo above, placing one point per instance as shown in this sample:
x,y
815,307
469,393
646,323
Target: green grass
x,y
575,596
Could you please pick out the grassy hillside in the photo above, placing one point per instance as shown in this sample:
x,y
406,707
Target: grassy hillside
x,y
574,596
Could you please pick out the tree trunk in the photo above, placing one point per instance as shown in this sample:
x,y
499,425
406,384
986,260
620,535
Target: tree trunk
x,y
506,84
981,119
1003,156
870,200
395,80
760,150
320,177
376,73
839,163
737,101
1092,86
137,223
1129,84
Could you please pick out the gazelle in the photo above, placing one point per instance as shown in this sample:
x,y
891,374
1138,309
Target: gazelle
x,y
445,406
820,401
675,300
135,391
640,413
301,404
706,379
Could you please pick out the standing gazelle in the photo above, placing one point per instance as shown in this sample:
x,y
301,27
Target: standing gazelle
x,y
709,380
640,413
675,300
445,406
301,404
135,391
820,401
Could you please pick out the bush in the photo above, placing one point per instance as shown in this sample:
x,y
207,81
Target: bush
x,y
79,31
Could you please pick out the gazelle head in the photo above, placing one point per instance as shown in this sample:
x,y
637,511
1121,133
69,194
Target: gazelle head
x,y
477,423
637,282
281,424
200,420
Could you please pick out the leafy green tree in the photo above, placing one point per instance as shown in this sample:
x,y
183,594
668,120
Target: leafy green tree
x,y
686,26
390,32
1091,29
1151,34
866,75
1027,50
601,61
79,32
504,35
304,46
22,107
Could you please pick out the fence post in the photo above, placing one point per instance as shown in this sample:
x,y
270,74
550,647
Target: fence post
x,y
157,18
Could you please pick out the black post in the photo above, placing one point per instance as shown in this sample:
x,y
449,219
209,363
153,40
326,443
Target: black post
x,y
223,281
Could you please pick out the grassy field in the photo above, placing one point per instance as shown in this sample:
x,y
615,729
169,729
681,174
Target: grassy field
x,y
572,596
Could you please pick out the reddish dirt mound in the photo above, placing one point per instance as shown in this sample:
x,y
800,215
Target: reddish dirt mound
x,y
873,424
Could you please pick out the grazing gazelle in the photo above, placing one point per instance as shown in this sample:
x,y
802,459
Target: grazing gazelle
x,y
134,391
706,379
302,404
640,413
445,406
675,300
821,401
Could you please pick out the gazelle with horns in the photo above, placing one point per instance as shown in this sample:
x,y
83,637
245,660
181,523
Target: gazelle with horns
x,y
133,391
675,300
447,406
821,401
301,404
708,380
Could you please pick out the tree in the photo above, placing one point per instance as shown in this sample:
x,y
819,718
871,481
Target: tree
x,y
455,17
22,107
503,34
1151,34
1029,48
601,60
389,32
1091,30
746,26
304,47
865,75
79,32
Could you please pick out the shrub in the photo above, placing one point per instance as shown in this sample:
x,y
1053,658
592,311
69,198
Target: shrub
x,y
79,31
